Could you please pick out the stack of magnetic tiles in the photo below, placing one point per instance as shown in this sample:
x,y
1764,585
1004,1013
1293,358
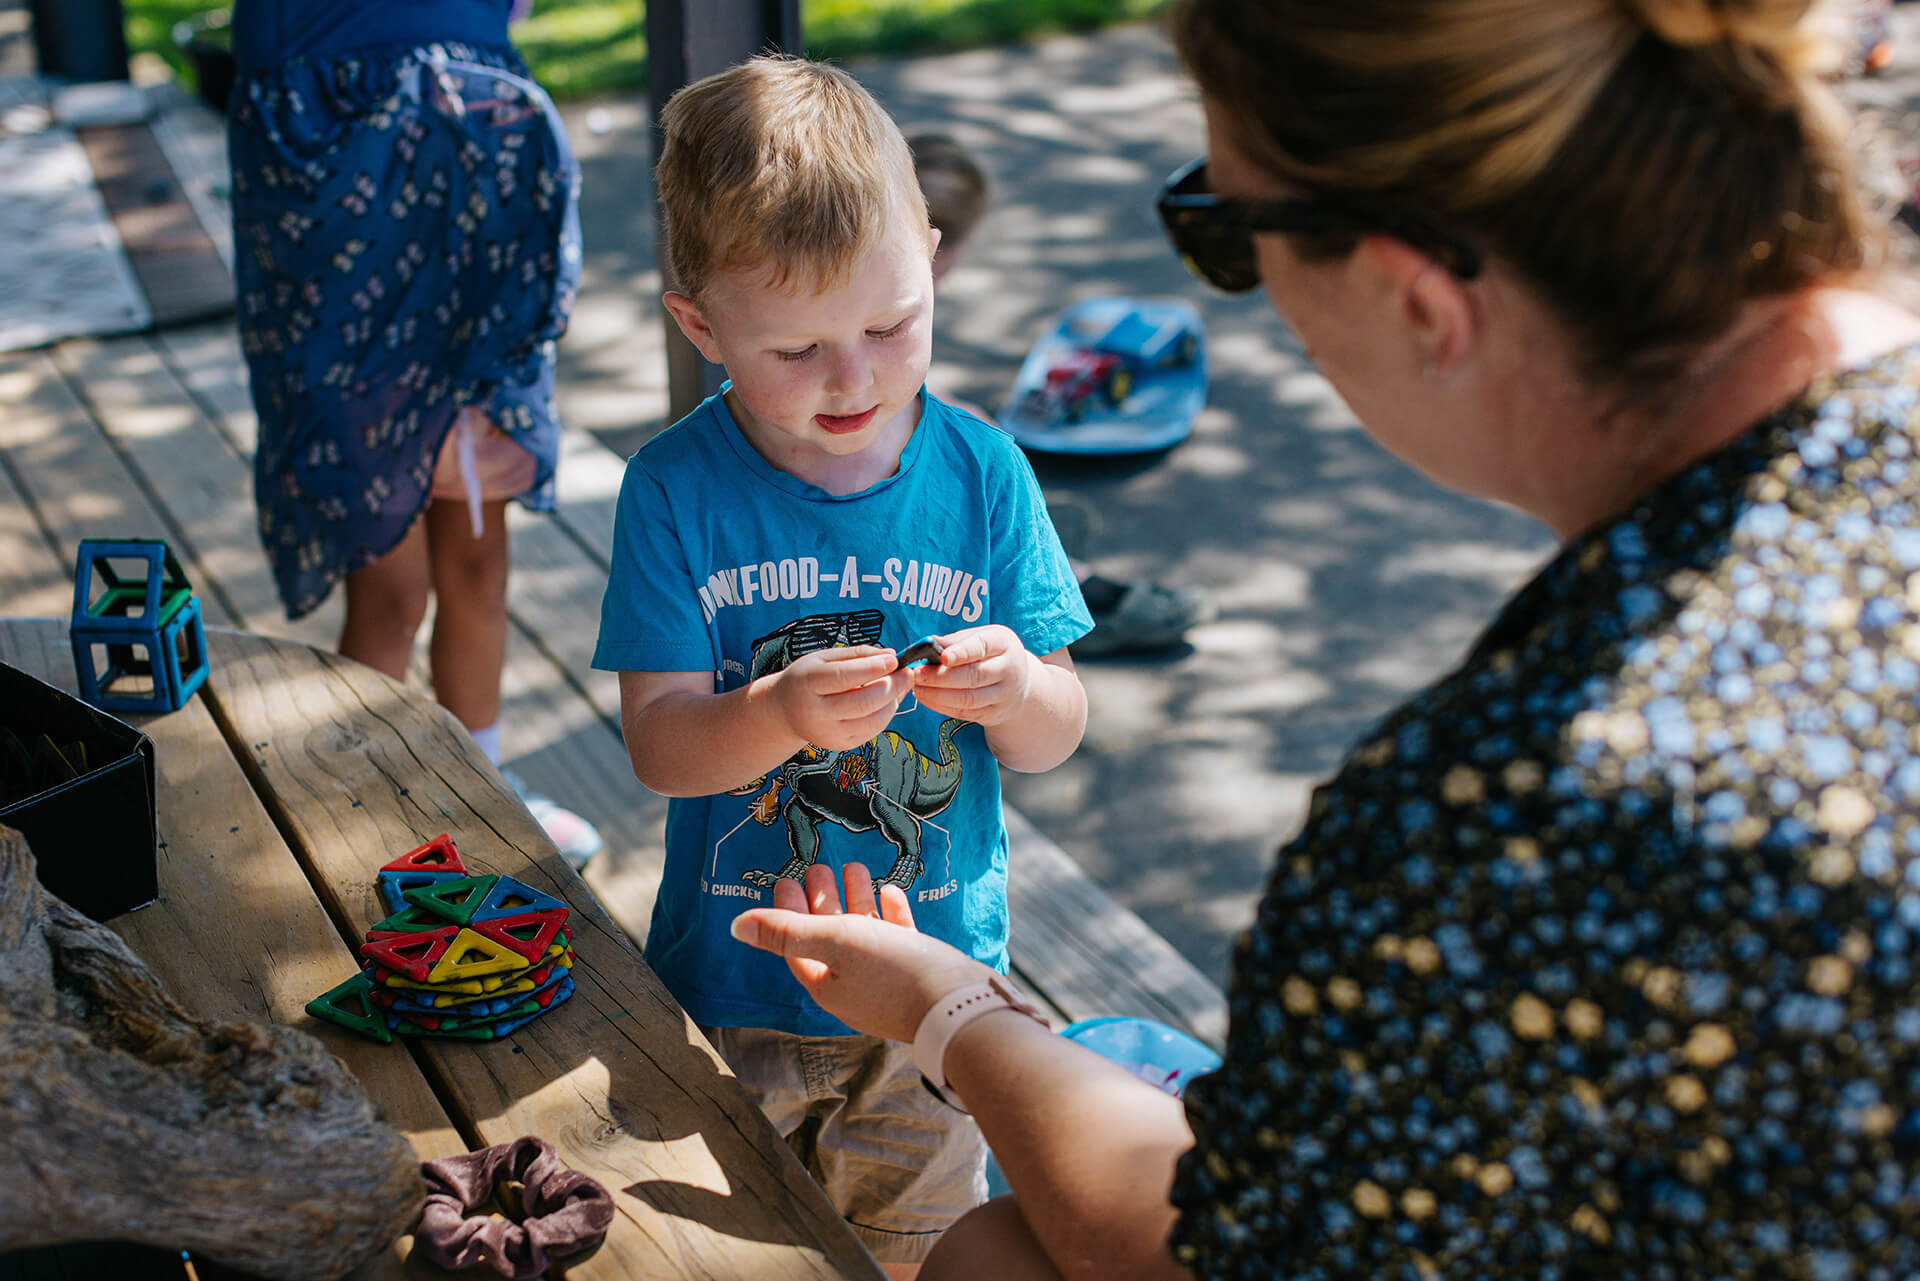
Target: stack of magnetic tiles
x,y
471,957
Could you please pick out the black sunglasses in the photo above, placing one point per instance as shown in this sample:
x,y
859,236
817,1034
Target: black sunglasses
x,y
1215,233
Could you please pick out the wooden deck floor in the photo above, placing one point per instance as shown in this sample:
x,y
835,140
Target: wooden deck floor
x,y
152,435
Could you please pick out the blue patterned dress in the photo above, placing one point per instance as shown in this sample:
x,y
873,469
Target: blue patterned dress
x,y
407,246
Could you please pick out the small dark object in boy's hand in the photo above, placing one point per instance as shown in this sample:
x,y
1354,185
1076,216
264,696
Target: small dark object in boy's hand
x,y
924,650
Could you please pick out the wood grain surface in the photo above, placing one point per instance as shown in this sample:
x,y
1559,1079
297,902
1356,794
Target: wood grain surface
x,y
330,770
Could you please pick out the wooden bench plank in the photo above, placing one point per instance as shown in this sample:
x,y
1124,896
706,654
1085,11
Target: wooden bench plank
x,y
554,593
557,742
33,581
194,138
659,1149
180,270
76,481
207,361
234,902
589,493
1091,954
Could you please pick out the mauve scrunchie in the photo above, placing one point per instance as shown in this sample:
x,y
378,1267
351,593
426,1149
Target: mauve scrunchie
x,y
566,1213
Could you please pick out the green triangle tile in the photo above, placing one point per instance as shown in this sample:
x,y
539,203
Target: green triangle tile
x,y
351,1005
409,920
454,900
458,1032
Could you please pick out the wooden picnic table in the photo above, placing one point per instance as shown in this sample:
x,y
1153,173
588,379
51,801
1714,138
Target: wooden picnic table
x,y
282,786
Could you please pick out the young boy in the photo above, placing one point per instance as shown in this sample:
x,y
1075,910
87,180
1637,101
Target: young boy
x,y
774,550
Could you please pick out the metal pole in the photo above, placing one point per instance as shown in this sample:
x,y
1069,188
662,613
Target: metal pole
x,y
688,39
80,39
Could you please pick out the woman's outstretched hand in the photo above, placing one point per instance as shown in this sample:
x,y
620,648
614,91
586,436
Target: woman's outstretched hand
x,y
865,963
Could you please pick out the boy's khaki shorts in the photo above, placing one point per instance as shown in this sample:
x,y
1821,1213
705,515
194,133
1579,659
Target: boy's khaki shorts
x,y
899,1164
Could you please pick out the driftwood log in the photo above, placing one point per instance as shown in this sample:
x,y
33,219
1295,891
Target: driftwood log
x,y
127,1118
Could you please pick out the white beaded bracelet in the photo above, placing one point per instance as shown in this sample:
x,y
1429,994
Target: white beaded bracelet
x,y
951,1013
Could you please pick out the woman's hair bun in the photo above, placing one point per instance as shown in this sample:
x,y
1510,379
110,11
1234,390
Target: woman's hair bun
x,y
1783,28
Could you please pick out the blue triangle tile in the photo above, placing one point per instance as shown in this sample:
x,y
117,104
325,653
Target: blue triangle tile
x,y
393,886
509,897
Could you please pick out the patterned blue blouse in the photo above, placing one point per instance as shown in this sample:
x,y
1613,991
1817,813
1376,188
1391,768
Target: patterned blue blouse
x,y
407,245
1596,960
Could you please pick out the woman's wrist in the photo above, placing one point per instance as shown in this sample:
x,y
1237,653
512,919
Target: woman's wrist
x,y
953,1013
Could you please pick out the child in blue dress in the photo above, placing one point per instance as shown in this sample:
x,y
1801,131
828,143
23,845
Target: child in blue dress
x,y
407,251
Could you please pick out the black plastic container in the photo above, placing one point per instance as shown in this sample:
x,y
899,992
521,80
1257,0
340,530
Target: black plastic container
x,y
94,836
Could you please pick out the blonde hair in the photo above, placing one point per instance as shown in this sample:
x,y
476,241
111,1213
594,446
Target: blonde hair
x,y
779,164
1649,165
953,183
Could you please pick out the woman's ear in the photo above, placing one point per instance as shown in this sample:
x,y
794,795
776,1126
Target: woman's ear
x,y
686,314
1430,305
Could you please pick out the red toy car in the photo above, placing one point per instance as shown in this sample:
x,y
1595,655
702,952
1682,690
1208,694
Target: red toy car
x,y
1133,348
1110,376
1076,378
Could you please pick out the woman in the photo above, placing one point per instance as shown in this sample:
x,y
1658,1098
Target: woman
x,y
1592,961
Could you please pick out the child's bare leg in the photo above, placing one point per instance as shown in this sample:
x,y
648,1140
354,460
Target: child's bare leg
x,y
469,643
385,602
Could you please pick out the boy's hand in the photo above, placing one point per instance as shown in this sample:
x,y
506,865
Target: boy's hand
x,y
837,699
984,675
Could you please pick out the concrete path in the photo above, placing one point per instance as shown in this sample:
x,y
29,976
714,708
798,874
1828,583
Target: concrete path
x,y
1344,580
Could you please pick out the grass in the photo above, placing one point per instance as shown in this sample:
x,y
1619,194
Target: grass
x,y
581,47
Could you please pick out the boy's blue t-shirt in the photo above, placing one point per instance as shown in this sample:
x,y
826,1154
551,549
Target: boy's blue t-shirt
x,y
722,563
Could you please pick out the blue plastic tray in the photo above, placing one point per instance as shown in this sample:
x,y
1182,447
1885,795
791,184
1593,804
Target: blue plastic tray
x,y
1164,394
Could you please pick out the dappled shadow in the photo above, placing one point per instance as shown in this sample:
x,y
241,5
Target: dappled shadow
x,y
1344,580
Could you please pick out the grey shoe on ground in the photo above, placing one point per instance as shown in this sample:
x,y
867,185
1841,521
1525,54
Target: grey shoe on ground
x,y
1138,617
